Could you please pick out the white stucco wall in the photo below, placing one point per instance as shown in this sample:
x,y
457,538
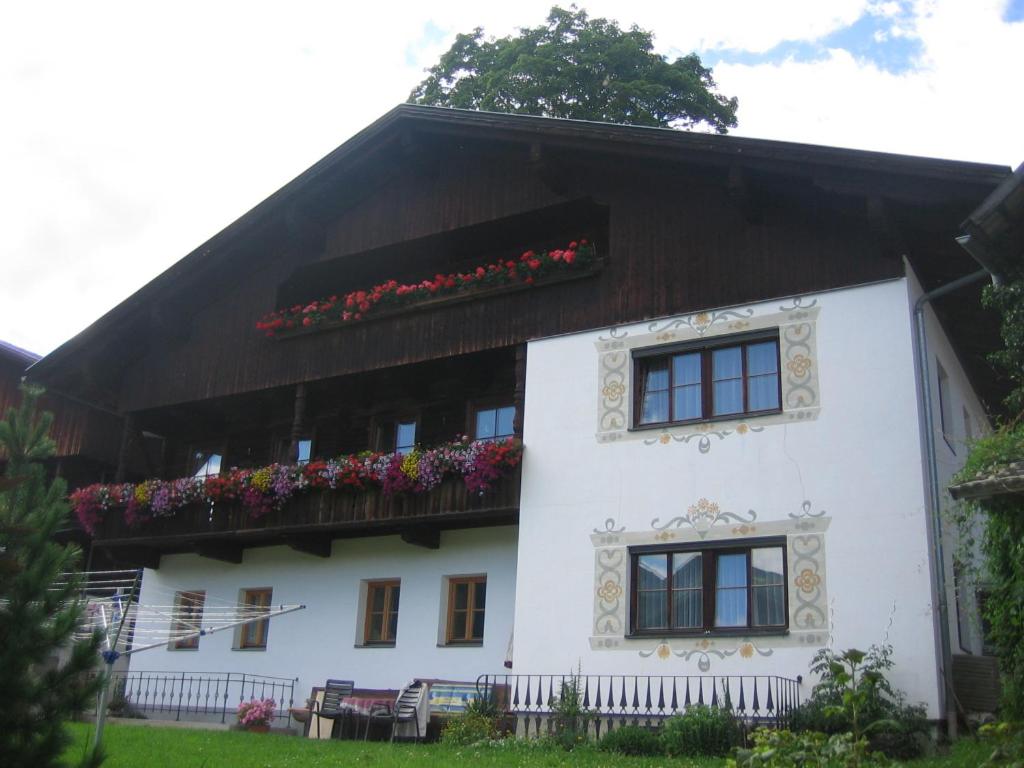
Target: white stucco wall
x,y
319,642
857,459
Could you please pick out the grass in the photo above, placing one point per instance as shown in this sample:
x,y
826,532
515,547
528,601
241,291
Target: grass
x,y
131,746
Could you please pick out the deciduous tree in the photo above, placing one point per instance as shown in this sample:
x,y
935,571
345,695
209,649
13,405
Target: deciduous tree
x,y
581,68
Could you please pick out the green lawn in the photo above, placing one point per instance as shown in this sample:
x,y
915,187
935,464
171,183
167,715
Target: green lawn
x,y
130,746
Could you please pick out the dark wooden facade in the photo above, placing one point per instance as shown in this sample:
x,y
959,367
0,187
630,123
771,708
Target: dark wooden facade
x,y
682,222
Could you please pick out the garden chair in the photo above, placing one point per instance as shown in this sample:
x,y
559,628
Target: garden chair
x,y
406,709
331,706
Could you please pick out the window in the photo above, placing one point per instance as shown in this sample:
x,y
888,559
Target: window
x,y
304,451
699,383
712,588
188,617
205,464
467,596
254,602
381,626
945,406
495,423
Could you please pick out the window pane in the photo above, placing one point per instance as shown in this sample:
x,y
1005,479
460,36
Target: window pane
x,y
393,623
687,569
376,625
687,608
459,625
478,625
769,606
461,596
655,408
766,566
480,595
652,571
731,608
732,570
727,396
686,403
657,377
305,451
405,436
763,392
686,369
651,610
506,416
485,421
762,358
727,363
394,598
377,599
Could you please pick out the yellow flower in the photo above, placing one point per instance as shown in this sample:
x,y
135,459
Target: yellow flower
x,y
142,493
664,439
742,429
614,391
747,650
260,480
411,465
664,651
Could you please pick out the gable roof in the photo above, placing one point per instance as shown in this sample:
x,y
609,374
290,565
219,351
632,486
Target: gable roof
x,y
856,167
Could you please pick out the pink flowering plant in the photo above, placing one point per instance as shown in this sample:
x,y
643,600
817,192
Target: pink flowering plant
x,y
480,464
256,712
527,269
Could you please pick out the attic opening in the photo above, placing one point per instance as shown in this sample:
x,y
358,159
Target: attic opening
x,y
457,250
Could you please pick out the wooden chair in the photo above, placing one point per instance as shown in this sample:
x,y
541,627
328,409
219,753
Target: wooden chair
x,y
330,707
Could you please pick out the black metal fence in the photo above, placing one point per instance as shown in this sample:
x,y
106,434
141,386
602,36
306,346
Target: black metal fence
x,y
205,696
615,700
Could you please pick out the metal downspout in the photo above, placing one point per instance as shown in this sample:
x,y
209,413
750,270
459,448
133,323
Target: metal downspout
x,y
934,492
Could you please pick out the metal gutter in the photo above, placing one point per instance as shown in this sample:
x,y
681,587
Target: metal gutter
x,y
934,492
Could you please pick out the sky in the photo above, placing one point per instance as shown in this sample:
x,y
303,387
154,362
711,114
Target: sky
x,y
134,131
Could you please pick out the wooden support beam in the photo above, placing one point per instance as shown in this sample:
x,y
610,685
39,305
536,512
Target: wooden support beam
x,y
318,545
226,551
124,452
298,420
430,538
519,394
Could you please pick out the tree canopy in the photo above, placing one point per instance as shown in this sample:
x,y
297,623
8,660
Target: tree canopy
x,y
581,68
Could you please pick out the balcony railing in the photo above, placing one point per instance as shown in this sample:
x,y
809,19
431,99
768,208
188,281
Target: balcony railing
x,y
616,700
320,515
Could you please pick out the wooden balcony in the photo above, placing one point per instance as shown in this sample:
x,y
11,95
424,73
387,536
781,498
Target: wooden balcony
x,y
310,522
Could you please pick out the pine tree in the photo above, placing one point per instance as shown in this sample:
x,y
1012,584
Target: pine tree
x,y
39,609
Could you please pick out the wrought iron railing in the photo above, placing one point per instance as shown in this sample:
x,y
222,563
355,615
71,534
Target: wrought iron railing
x,y
205,696
613,700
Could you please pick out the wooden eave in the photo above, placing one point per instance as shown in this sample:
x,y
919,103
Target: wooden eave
x,y
835,168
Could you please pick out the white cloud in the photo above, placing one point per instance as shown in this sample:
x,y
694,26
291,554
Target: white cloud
x,y
135,131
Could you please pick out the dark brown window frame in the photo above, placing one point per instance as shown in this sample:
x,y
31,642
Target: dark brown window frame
x,y
643,359
468,638
384,428
709,552
185,604
254,635
389,586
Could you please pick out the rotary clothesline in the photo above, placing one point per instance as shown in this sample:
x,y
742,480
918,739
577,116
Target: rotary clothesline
x,y
128,626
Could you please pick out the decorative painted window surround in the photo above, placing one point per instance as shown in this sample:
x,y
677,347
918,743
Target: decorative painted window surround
x,y
705,521
801,397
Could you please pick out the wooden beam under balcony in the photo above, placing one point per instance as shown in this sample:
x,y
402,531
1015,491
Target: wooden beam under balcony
x,y
318,545
421,536
226,551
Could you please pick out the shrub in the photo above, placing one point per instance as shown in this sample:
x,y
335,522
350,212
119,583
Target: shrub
x,y
701,731
860,699
468,728
1007,741
785,749
570,718
632,740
